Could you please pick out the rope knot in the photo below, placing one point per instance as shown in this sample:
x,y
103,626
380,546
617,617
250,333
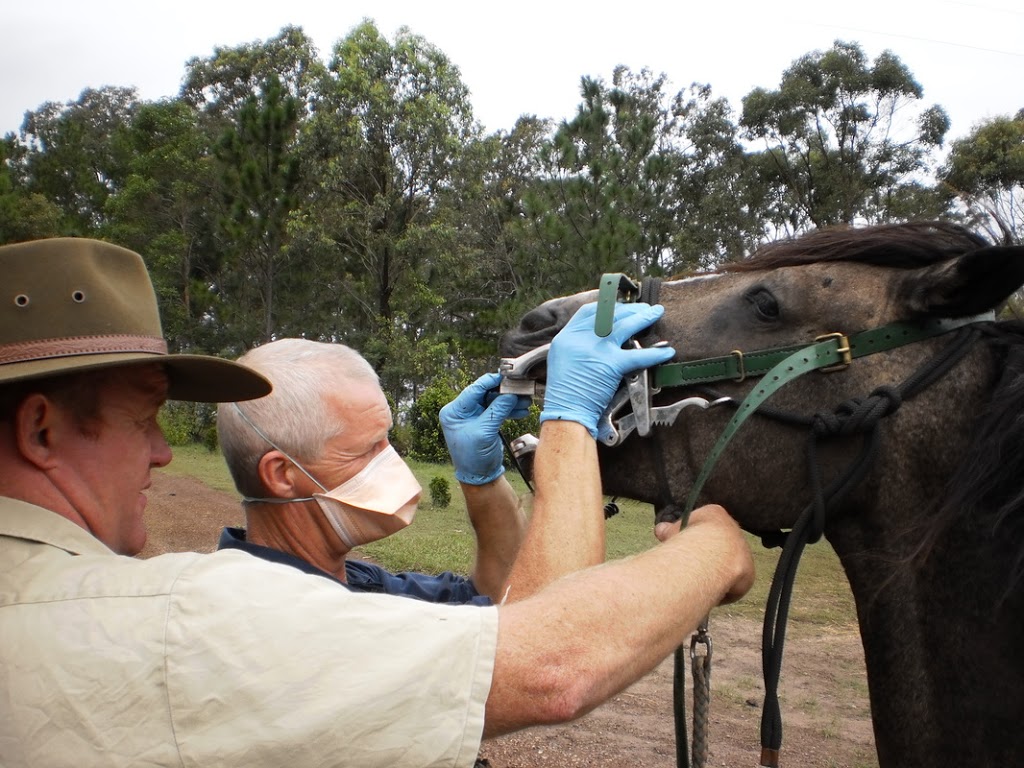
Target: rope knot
x,y
858,414
892,397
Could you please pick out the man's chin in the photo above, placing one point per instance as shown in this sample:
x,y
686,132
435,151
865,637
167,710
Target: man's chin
x,y
135,540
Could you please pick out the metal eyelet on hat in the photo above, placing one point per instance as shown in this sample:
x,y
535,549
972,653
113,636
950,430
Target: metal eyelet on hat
x,y
78,296
21,300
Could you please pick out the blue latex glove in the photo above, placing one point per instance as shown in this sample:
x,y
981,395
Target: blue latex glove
x,y
471,429
585,370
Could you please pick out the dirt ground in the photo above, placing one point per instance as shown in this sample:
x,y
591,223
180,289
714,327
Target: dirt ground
x,y
825,712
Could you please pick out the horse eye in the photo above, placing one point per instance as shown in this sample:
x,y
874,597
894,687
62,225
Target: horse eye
x,y
764,303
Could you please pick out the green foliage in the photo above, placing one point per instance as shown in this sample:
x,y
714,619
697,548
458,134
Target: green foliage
x,y
165,212
357,200
24,215
389,124
81,158
633,177
440,492
188,423
985,170
427,437
839,146
222,83
260,176
512,429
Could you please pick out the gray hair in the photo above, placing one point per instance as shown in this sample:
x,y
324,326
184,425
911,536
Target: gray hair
x,y
295,414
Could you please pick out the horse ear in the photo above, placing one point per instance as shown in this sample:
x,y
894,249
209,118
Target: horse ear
x,y
967,285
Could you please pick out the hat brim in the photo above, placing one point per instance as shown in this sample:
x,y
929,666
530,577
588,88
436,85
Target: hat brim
x,y
195,378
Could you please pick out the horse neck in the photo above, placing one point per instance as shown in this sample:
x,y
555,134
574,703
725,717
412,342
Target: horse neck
x,y
941,628
943,653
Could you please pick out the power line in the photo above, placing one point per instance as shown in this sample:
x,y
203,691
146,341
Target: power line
x,y
915,38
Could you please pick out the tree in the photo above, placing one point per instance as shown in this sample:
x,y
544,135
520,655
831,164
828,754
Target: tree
x,y
75,157
498,260
24,215
985,169
841,141
389,123
260,176
166,210
642,182
607,207
718,209
222,84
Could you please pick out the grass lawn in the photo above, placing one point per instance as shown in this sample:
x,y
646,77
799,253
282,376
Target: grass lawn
x,y
442,539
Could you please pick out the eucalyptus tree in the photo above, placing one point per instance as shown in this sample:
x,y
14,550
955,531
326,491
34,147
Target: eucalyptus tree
x,y
718,206
24,215
220,85
844,140
75,156
985,170
389,123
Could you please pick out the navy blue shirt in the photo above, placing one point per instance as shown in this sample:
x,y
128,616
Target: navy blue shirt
x,y
446,587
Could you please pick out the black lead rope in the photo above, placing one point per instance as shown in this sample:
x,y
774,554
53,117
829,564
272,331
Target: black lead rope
x,y
852,417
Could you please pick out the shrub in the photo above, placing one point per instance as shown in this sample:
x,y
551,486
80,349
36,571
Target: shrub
x,y
440,492
185,423
426,441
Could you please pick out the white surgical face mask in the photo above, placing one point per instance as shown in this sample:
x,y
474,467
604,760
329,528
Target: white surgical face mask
x,y
378,501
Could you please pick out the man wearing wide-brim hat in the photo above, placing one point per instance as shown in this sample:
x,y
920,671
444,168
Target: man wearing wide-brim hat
x,y
223,659
80,333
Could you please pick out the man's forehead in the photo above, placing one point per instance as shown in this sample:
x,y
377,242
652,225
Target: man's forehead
x,y
151,381
360,401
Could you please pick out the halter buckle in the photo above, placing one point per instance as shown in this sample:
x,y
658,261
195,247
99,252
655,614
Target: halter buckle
x,y
843,350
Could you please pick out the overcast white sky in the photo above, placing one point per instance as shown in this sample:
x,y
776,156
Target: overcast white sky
x,y
526,56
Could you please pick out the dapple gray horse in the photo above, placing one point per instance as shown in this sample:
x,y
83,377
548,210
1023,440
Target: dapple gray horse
x,y
908,456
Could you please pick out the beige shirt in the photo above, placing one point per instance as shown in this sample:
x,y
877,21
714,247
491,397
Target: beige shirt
x,y
223,660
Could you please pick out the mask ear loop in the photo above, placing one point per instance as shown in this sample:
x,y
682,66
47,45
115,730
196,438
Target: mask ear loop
x,y
275,446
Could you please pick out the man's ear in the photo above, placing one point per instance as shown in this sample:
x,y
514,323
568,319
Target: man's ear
x,y
278,475
38,427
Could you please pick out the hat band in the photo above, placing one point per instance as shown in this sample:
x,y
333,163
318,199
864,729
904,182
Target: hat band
x,y
23,351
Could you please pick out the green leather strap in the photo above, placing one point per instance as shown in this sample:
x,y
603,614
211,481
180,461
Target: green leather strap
x,y
739,365
834,350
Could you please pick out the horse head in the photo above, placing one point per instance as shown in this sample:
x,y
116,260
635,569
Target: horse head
x,y
895,436
842,281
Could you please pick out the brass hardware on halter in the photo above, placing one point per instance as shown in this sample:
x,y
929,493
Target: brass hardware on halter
x,y
738,353
843,350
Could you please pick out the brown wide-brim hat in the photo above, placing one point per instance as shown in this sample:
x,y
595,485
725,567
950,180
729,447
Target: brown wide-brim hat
x,y
73,304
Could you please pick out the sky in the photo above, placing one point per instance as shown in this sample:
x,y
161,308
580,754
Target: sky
x,y
526,57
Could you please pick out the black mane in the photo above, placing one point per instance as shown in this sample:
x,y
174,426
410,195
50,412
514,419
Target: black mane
x,y
903,246
987,488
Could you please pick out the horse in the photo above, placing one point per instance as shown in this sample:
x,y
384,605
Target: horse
x,y
908,460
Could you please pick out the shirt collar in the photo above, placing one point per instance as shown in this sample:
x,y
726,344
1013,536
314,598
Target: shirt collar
x,y
21,520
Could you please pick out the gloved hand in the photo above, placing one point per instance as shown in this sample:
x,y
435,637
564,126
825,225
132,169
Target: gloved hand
x,y
585,370
471,429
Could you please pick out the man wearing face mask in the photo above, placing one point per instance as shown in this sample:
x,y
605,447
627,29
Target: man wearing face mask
x,y
319,478
225,659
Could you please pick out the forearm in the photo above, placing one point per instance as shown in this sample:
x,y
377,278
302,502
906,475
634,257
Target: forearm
x,y
499,522
566,531
591,634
